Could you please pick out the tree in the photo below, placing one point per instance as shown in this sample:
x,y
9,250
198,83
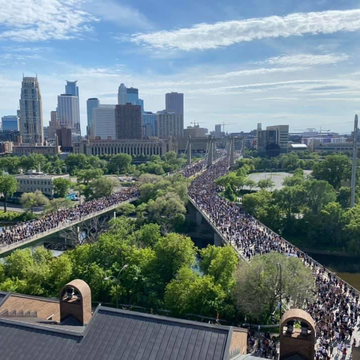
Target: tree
x,y
291,199
343,196
265,184
58,204
126,209
8,186
191,293
61,186
119,163
75,162
334,169
100,187
352,229
172,252
168,211
318,194
257,289
220,263
34,199
85,176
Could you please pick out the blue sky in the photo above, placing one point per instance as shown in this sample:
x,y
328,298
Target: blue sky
x,y
237,61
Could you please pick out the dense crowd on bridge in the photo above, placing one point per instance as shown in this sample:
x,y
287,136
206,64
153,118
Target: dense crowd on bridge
x,y
62,217
58,219
336,306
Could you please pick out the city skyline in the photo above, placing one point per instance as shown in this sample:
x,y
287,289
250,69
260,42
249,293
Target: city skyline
x,y
235,63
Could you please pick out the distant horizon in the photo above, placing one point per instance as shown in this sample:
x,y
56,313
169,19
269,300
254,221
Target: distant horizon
x,y
275,63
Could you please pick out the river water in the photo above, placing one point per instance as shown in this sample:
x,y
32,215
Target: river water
x,y
347,268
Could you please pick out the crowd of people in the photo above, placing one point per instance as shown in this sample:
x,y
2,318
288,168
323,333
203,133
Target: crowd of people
x,y
25,230
58,219
336,307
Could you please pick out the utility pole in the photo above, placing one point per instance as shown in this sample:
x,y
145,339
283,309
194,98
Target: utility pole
x,y
354,162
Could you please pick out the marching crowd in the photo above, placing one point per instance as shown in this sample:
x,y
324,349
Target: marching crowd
x,y
336,307
24,230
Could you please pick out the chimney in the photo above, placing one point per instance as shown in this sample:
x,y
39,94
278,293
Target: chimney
x,y
75,301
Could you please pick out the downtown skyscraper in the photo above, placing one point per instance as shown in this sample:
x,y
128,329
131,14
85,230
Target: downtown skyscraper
x,y
68,109
31,115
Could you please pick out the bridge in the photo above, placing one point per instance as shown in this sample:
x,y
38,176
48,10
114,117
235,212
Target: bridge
x,y
4,248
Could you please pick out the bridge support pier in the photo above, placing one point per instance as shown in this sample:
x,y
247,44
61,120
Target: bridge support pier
x,y
217,240
199,218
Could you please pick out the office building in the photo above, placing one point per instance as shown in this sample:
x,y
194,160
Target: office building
x,y
91,104
149,123
53,125
103,122
34,180
122,94
170,124
65,139
13,136
128,121
31,115
71,88
10,123
195,131
132,96
282,132
218,133
134,147
68,109
174,102
272,137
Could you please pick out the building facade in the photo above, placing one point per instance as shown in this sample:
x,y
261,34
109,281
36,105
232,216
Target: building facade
x,y
103,122
169,124
132,96
71,88
122,94
174,102
64,139
282,136
195,131
38,181
31,115
91,104
68,111
146,147
128,121
25,149
149,123
10,123
53,125
6,147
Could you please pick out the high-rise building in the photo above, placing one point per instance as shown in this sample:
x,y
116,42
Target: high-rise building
x,y
71,88
53,125
282,133
169,124
91,104
103,122
128,121
68,111
31,115
122,95
132,96
10,123
218,133
174,102
149,123
64,137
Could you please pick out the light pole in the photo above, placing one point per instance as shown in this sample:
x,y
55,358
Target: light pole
x,y
280,288
117,281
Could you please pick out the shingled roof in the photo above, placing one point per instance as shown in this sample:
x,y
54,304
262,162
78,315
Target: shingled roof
x,y
115,334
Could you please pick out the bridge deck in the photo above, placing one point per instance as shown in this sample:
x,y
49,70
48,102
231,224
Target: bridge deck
x,y
7,248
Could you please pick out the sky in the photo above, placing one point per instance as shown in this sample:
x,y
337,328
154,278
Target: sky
x,y
238,62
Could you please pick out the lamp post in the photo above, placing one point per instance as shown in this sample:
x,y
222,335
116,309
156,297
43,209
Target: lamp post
x,y
280,288
117,281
